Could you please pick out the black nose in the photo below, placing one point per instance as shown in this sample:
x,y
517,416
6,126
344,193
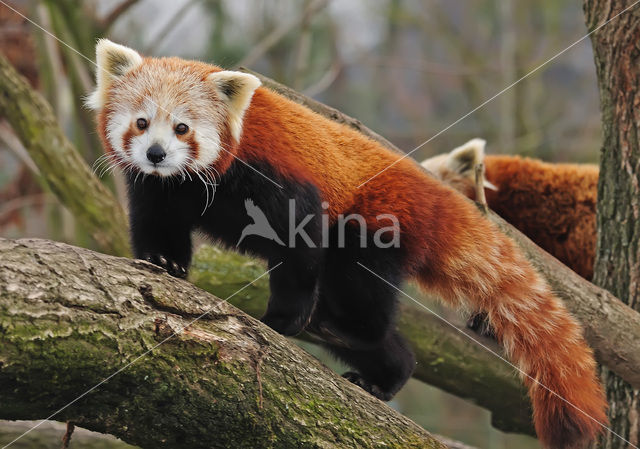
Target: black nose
x,y
156,153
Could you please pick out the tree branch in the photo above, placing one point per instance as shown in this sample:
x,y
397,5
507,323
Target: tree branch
x,y
70,318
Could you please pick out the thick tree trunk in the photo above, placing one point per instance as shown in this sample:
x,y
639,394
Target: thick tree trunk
x,y
617,267
70,318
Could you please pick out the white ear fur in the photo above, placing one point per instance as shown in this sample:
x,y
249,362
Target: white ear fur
x,y
236,89
463,159
112,61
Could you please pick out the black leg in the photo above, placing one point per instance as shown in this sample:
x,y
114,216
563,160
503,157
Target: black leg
x,y
355,314
160,223
293,290
355,308
381,370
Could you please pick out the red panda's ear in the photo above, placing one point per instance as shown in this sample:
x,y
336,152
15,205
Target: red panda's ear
x,y
463,159
112,61
236,90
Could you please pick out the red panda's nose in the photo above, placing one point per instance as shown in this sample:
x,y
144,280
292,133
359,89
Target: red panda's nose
x,y
156,153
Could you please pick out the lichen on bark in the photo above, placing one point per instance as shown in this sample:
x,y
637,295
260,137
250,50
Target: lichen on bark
x,y
70,318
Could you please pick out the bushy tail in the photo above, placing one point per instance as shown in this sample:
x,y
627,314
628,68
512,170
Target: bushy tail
x,y
478,268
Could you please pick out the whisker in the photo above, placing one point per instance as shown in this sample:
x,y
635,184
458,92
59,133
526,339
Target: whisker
x,y
102,161
206,189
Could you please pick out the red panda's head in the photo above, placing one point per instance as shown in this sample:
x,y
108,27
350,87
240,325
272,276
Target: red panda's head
x,y
457,168
167,116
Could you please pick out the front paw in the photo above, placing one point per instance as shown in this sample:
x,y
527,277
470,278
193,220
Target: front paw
x,y
172,267
285,324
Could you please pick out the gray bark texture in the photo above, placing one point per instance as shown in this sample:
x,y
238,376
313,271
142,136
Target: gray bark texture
x,y
70,318
617,266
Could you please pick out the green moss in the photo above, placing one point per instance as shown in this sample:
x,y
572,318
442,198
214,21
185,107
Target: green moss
x,y
223,273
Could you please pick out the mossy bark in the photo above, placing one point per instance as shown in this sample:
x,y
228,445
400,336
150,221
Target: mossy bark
x,y
70,318
617,266
61,166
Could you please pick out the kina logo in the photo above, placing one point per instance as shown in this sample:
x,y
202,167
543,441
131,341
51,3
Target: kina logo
x,y
260,225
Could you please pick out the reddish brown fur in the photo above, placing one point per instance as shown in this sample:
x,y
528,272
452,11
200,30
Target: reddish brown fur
x,y
553,204
453,249
456,252
132,132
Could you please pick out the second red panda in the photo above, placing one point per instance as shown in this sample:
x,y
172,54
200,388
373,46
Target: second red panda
x,y
552,204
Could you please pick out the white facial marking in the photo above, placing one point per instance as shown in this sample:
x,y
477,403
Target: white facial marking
x,y
166,93
162,119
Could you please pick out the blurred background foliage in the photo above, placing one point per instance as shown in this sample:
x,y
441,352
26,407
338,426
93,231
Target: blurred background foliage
x,y
406,68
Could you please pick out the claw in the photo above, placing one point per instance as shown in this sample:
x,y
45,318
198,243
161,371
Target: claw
x,y
176,270
173,268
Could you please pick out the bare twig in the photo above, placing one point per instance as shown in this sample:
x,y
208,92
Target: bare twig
x,y
330,75
453,444
303,49
58,88
326,80
13,144
79,66
14,204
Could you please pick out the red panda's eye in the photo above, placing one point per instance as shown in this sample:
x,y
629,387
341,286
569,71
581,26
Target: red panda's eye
x,y
181,129
141,123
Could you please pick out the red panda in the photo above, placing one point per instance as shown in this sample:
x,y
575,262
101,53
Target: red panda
x,y
180,129
552,204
